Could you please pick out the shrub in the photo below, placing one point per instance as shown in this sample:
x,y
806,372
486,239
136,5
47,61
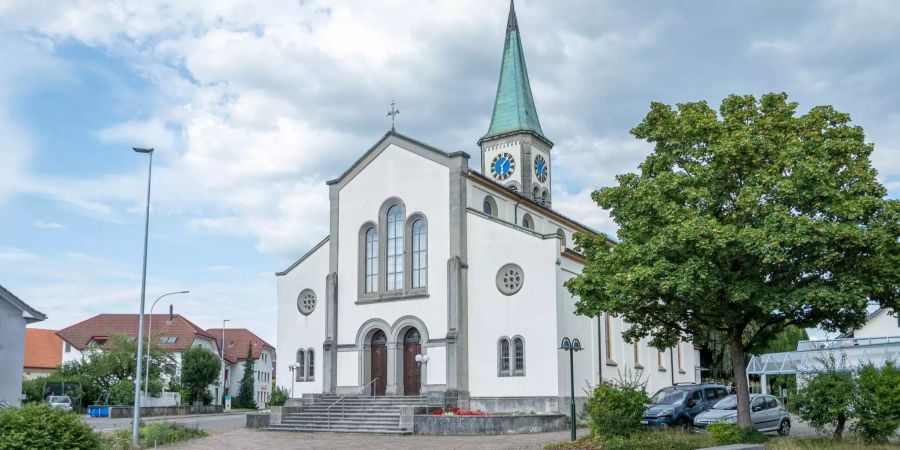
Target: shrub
x,y
37,425
161,433
122,393
827,399
616,410
730,433
458,412
279,396
878,402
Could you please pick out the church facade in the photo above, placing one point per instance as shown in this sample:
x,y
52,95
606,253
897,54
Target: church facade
x,y
439,278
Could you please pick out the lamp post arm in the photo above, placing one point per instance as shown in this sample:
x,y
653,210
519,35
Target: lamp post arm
x,y
150,338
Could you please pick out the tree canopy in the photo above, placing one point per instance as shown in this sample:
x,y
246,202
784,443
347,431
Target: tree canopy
x,y
744,222
200,368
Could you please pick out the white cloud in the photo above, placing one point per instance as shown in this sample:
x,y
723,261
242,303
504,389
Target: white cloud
x,y
48,225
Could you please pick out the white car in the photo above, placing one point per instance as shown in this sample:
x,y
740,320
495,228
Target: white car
x,y
62,402
766,414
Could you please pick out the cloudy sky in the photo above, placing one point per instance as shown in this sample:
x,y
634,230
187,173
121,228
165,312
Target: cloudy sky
x,y
253,105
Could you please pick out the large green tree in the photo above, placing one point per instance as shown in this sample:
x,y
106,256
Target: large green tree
x,y
245,398
744,222
200,368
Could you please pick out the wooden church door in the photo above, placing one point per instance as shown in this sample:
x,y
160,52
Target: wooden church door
x,y
379,363
412,346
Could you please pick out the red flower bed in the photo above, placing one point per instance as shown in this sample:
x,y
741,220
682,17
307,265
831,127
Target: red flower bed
x,y
458,412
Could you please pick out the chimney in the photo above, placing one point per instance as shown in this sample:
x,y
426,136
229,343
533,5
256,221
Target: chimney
x,y
170,312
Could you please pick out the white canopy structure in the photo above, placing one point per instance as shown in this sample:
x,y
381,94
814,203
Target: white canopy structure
x,y
810,357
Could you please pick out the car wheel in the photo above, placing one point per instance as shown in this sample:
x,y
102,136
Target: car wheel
x,y
785,428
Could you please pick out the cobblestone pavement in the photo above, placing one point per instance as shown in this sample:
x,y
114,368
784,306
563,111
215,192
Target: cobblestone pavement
x,y
273,440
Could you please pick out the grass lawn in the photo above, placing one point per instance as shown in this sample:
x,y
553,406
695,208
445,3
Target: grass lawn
x,y
679,440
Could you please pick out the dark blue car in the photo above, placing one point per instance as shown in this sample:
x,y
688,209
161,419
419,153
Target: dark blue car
x,y
677,405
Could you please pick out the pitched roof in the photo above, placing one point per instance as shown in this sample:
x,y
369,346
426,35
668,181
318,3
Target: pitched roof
x,y
103,325
30,314
514,108
43,349
237,341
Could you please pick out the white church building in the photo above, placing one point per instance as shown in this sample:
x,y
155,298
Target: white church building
x,y
429,257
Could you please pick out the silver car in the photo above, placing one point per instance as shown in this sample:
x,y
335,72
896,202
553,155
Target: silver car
x,y
62,402
766,413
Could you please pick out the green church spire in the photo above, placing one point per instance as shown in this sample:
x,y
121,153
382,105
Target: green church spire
x,y
514,105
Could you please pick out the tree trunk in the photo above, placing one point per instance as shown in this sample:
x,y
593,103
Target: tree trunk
x,y
839,429
739,365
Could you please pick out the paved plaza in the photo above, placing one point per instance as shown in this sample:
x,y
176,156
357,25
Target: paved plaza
x,y
246,439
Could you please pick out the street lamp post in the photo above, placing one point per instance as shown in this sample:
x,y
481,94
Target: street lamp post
x,y
150,339
293,368
421,360
140,337
222,356
571,346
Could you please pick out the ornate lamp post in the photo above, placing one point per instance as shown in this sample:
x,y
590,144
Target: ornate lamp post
x,y
571,346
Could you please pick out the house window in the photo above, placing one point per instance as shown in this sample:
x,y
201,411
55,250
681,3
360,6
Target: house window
x,y
519,362
503,357
419,253
311,360
660,356
168,339
394,248
489,206
301,363
68,347
371,260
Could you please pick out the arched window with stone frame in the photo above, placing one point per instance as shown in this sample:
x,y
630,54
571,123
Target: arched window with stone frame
x,y
300,372
562,240
503,359
310,365
528,221
489,206
394,243
368,259
417,230
518,360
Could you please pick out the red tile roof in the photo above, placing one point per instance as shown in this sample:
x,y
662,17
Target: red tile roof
x,y
104,325
238,339
43,349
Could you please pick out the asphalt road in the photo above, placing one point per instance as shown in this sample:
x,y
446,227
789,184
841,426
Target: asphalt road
x,y
205,422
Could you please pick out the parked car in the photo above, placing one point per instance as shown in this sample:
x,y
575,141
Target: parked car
x,y
62,402
766,413
678,405
4,404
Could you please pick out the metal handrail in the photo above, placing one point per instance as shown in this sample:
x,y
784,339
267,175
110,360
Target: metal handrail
x,y
328,410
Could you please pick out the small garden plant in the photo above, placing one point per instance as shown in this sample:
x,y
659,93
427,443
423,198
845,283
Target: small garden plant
x,y
458,412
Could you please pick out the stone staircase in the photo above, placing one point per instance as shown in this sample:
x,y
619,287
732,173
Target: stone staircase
x,y
351,414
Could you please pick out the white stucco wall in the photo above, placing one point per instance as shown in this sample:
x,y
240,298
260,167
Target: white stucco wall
x,y
881,324
574,327
423,186
295,330
262,371
529,313
12,352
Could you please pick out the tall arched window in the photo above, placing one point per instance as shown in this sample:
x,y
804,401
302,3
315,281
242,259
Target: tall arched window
x,y
609,349
371,262
394,248
311,361
519,361
419,253
300,373
562,240
503,357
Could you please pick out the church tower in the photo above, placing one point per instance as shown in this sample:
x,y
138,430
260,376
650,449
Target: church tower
x,y
515,152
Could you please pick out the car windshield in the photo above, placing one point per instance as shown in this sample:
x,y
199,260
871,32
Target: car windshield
x,y
59,399
729,402
665,397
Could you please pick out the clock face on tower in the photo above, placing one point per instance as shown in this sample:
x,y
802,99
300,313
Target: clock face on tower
x,y
503,166
540,168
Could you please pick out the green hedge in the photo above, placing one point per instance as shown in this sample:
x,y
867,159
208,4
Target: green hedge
x,y
39,426
616,410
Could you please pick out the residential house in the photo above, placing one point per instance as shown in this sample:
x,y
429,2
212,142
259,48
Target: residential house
x,y
14,315
43,352
174,333
237,342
